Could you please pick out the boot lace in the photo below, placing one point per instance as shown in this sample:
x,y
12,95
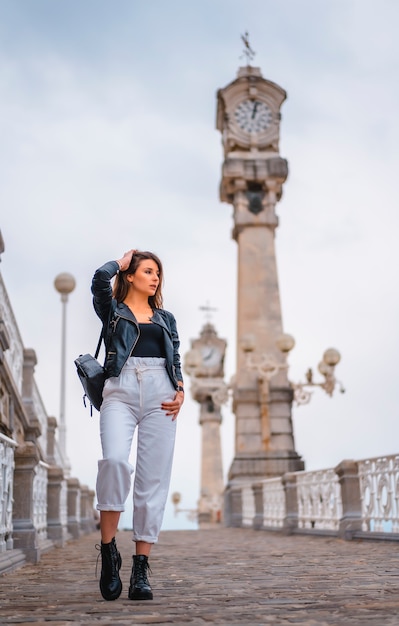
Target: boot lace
x,y
140,572
97,547
113,562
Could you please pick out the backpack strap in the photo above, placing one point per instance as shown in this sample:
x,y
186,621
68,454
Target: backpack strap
x,y
99,344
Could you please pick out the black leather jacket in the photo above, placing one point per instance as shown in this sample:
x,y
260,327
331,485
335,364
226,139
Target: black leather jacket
x,y
121,330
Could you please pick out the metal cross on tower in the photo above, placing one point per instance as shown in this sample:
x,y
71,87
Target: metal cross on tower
x,y
247,52
208,310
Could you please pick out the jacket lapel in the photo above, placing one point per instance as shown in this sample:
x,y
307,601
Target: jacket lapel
x,y
158,319
123,310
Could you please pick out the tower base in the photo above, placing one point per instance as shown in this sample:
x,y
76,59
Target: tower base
x,y
248,466
251,468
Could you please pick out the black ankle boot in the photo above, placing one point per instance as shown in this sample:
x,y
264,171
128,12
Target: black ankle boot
x,y
140,588
111,561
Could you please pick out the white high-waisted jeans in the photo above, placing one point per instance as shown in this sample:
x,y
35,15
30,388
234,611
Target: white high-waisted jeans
x,y
134,399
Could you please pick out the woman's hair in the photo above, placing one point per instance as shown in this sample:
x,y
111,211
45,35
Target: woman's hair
x,y
121,284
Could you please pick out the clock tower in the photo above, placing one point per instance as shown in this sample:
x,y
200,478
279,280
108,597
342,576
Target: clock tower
x,y
204,363
253,173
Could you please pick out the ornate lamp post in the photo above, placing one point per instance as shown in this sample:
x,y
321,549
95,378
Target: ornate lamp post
x,y
266,367
192,514
64,283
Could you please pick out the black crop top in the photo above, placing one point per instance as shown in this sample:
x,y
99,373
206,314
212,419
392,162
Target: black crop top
x,y
150,341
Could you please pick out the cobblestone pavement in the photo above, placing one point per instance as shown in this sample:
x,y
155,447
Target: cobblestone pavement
x,y
222,576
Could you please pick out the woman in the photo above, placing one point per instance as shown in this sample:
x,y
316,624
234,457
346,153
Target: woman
x,y
143,388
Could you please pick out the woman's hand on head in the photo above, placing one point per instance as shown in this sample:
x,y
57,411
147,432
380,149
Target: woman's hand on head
x,y
125,261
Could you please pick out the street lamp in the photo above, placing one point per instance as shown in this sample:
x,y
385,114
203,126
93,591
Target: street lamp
x,y
266,367
64,283
326,367
192,514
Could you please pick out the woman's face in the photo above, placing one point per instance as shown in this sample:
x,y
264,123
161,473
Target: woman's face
x,y
146,278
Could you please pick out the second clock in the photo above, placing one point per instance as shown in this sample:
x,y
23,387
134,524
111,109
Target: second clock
x,y
253,116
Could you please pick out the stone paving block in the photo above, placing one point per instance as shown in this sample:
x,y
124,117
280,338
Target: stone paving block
x,y
222,576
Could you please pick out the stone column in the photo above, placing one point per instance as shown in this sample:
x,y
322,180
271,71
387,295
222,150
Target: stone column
x,y
51,430
74,507
262,403
86,515
257,488
291,503
33,430
351,520
210,504
233,511
25,534
57,506
95,515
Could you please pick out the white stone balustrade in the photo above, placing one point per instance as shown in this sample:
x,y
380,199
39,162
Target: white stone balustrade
x,y
248,505
319,499
40,481
273,502
14,354
7,446
352,500
379,493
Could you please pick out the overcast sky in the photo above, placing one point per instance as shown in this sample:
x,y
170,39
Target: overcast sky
x,y
108,142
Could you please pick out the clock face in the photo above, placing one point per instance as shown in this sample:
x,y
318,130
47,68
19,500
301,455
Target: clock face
x,y
253,116
210,356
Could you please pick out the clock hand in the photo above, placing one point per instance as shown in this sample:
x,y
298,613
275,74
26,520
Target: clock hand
x,y
254,110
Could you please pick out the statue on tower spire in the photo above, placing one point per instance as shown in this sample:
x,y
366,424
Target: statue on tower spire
x,y
248,52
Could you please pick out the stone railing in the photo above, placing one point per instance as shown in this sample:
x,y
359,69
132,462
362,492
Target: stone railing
x,y
379,494
39,497
41,505
7,446
355,499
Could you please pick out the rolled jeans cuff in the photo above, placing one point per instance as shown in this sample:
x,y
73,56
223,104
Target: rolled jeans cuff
x,y
113,484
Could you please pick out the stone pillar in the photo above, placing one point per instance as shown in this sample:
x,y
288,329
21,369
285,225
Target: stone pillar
x,y
234,506
210,504
351,520
33,430
74,507
262,403
94,514
51,430
86,515
257,488
291,503
57,506
25,534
